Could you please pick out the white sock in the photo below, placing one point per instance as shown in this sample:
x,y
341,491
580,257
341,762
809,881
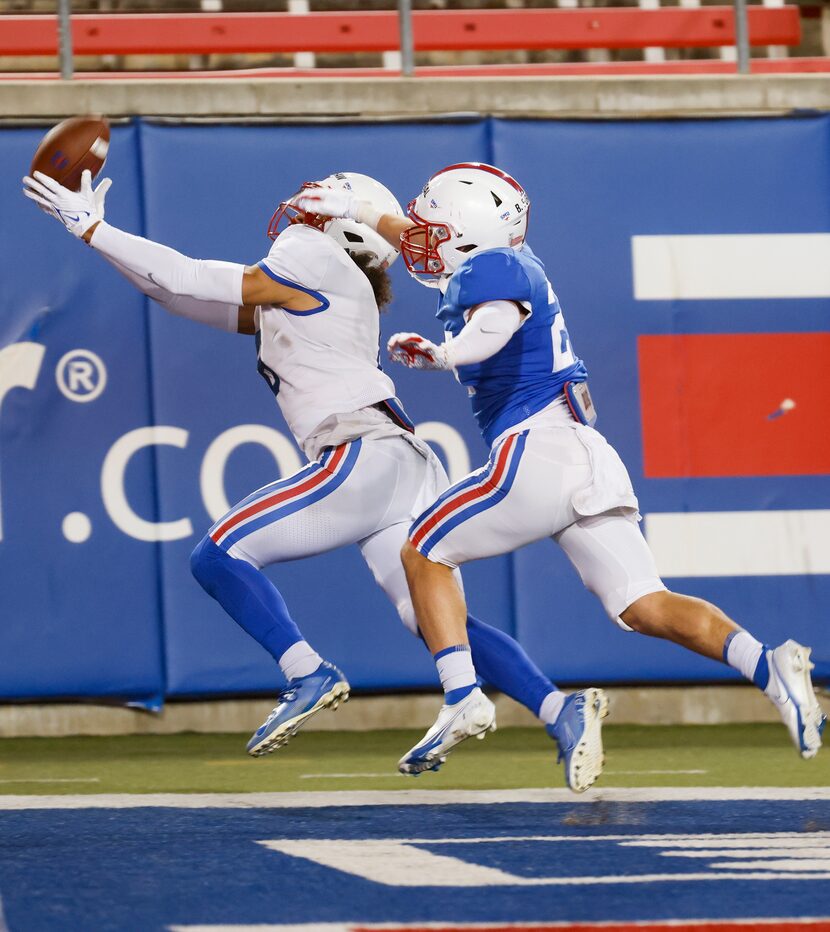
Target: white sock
x,y
299,660
551,706
743,652
455,668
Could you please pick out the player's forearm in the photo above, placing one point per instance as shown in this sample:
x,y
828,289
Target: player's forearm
x,y
213,313
391,227
204,280
488,331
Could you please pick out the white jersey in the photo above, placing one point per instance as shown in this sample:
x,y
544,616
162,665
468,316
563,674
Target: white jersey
x,y
322,365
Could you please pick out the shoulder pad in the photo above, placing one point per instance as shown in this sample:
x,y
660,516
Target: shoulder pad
x,y
497,274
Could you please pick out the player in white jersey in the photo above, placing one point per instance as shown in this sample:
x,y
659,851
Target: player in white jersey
x,y
311,303
550,473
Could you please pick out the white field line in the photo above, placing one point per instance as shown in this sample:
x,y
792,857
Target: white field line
x,y
345,776
640,772
55,780
762,839
320,800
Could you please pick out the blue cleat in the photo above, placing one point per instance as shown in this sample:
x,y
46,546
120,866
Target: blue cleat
x,y
578,732
304,696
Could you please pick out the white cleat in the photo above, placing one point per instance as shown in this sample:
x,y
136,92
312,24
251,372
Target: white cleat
x,y
472,716
791,689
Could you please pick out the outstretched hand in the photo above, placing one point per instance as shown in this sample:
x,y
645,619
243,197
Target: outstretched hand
x,y
416,352
78,211
328,202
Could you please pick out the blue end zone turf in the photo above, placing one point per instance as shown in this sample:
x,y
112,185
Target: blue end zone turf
x,y
152,868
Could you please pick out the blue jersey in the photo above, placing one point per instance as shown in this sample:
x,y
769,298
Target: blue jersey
x,y
530,371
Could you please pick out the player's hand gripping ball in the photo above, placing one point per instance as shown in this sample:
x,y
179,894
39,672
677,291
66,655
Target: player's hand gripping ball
x,y
72,147
76,210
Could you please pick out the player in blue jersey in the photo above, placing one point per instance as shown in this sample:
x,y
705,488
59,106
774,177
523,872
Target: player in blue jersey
x,y
550,473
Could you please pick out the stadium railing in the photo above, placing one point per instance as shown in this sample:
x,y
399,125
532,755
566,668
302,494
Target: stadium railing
x,y
434,30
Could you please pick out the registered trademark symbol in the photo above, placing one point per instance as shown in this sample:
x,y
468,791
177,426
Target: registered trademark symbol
x,y
81,375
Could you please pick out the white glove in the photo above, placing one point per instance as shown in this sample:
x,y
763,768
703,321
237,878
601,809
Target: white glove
x,y
76,210
329,202
416,352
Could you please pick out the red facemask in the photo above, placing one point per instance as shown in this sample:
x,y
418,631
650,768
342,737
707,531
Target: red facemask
x,y
419,244
287,211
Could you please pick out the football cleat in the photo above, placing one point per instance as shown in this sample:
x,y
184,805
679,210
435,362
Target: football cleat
x,y
578,732
791,689
472,716
304,696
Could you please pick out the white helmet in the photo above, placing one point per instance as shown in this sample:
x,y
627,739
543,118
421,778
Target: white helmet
x,y
462,210
351,235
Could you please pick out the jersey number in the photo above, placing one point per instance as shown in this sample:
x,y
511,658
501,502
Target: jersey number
x,y
266,372
563,355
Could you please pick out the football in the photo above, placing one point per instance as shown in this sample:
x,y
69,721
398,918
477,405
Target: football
x,y
71,147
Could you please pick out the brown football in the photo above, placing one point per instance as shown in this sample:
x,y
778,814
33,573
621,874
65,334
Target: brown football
x,y
71,147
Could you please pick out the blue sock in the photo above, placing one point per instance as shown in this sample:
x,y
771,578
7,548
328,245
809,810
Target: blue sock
x,y
761,675
502,662
748,656
247,595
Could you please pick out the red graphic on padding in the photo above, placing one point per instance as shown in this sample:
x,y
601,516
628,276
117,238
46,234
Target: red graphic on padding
x,y
736,404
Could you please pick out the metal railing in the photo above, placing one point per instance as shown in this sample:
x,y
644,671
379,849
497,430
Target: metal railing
x,y
406,37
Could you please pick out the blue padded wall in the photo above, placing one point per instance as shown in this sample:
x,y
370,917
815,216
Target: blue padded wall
x,y
77,618
115,612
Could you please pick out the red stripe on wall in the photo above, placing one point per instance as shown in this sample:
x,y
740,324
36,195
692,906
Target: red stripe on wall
x,y
706,401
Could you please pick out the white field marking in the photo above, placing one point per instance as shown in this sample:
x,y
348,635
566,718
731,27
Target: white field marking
x,y
778,841
345,776
406,862
761,852
796,867
329,799
619,772
650,841
393,863
397,864
740,543
341,798
55,780
706,267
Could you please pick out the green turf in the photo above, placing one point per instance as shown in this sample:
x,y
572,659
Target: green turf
x,y
748,755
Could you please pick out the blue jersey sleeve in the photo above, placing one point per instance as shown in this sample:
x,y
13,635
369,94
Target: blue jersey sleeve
x,y
495,275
